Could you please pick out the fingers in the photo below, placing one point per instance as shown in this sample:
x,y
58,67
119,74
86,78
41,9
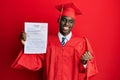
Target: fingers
x,y
89,55
23,42
86,56
23,36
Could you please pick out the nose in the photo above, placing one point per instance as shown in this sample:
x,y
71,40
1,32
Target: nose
x,y
67,23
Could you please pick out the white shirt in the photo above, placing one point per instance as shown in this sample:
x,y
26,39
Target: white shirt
x,y
67,38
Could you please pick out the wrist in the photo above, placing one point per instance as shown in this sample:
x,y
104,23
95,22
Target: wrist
x,y
84,62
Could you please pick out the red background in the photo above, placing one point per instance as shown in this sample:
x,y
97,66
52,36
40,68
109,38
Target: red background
x,y
100,22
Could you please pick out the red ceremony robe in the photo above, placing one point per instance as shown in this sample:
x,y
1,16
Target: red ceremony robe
x,y
60,62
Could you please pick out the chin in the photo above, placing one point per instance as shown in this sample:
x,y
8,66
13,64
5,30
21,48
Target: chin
x,y
65,33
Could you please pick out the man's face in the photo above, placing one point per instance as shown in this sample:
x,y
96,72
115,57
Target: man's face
x,y
66,24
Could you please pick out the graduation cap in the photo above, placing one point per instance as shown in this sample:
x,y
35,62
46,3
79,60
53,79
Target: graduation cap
x,y
69,9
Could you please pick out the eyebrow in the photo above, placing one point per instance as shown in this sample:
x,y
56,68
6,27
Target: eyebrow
x,y
64,17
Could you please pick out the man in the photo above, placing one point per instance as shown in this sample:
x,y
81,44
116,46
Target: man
x,y
67,57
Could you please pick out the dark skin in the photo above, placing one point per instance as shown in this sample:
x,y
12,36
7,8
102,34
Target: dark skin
x,y
65,27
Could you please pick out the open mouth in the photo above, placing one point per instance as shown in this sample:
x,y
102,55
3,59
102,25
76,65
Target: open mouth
x,y
65,28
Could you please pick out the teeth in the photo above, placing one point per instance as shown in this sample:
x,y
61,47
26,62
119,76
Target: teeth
x,y
65,28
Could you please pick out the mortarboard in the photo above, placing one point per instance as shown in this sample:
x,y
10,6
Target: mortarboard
x,y
69,9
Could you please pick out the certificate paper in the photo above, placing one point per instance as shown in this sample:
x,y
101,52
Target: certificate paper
x,y
36,42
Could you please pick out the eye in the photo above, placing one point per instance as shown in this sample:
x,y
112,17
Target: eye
x,y
63,19
71,21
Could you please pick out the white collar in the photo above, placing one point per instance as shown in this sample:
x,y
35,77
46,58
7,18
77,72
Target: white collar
x,y
67,37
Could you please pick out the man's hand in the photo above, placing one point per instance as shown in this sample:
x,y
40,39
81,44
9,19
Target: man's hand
x,y
23,37
86,56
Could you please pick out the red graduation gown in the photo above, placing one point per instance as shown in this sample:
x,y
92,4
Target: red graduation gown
x,y
60,62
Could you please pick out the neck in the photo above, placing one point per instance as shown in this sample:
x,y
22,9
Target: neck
x,y
65,34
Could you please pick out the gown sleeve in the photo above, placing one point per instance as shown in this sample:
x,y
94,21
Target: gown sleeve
x,y
91,68
28,61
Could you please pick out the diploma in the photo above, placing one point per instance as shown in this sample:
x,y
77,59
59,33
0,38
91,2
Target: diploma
x,y
36,40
